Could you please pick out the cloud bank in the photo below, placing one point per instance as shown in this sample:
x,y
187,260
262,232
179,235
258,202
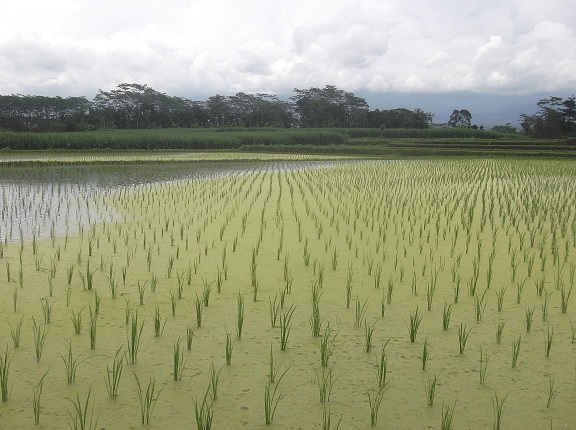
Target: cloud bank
x,y
203,47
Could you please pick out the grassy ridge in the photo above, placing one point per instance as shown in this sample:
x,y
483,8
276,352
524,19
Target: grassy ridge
x,y
357,142
187,139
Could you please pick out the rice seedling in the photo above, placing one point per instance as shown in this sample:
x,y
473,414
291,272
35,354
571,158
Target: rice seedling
x,y
368,332
158,325
551,391
447,417
141,291
286,326
81,418
147,399
430,290
271,399
327,420
189,337
446,313
463,337
273,368
520,290
114,373
545,303
36,398
133,336
198,305
93,322
178,360
349,284
229,348
334,259
573,330
549,339
77,320
46,310
88,279
457,288
516,351
326,345
360,312
390,291
484,358
539,284
431,390
39,339
565,298
71,363
480,305
528,319
325,384
275,310
127,311
498,409
173,303
15,299
425,354
375,398
240,315
214,379
5,362
315,319
204,413
499,330
415,320
382,367
16,331
500,297
113,286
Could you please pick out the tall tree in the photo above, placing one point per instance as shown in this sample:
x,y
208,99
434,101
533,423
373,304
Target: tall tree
x,y
556,117
460,119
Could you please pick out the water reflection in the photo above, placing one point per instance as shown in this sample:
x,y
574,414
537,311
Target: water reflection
x,y
45,201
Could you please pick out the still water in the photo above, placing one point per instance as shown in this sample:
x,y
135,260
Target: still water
x,y
49,201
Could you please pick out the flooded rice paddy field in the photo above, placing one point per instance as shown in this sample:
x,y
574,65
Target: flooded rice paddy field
x,y
398,294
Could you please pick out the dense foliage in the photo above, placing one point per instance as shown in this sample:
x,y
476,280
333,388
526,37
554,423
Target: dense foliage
x,y
556,117
135,106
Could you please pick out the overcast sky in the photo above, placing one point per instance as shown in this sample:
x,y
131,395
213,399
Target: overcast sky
x,y
197,48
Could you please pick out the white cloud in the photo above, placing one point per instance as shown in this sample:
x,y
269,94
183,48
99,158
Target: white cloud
x,y
208,46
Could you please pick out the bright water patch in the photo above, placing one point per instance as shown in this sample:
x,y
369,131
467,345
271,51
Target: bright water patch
x,y
50,201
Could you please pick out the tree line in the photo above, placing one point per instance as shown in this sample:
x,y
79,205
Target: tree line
x,y
136,106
